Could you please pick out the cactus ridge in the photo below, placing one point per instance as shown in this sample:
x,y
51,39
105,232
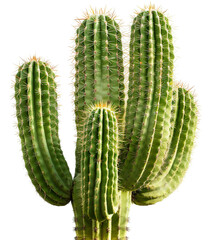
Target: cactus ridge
x,y
158,124
112,229
178,155
38,125
99,164
148,109
99,69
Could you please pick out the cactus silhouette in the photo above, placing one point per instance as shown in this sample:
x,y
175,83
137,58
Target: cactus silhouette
x,y
136,151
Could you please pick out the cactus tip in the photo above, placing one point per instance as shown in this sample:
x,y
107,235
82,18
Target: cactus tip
x,y
88,13
149,8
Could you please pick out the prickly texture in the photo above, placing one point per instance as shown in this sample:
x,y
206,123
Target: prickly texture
x,y
87,229
36,110
99,70
148,114
99,164
178,157
159,125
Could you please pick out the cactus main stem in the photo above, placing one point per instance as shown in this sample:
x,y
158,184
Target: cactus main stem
x,y
87,229
138,152
99,71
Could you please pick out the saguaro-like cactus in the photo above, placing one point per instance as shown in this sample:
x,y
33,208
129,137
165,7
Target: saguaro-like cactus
x,y
156,127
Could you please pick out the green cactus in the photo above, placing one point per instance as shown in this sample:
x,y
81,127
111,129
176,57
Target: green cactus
x,y
136,152
99,70
36,108
99,164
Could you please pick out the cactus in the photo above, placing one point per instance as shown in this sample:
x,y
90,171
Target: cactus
x,y
36,107
136,152
99,164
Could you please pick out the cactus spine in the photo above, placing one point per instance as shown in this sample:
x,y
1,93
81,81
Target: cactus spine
x,y
158,125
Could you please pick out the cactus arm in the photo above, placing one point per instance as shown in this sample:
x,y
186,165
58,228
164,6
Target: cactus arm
x,y
49,109
158,125
99,164
32,100
173,142
99,70
162,122
139,105
37,128
149,138
53,121
28,153
135,85
182,142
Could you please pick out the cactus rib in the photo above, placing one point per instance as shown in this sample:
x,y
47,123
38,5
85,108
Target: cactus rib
x,y
139,152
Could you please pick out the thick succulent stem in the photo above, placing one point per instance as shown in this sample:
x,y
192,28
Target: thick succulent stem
x,y
112,229
99,70
149,100
36,108
99,164
178,156
159,125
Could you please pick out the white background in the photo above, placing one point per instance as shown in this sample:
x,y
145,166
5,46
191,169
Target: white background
x,y
45,28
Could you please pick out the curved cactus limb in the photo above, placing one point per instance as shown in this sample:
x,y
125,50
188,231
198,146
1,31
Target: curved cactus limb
x,y
178,156
159,126
38,128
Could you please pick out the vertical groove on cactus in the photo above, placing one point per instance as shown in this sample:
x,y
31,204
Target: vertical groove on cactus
x,y
120,219
178,155
148,109
113,229
99,164
158,125
45,166
99,70
166,163
106,230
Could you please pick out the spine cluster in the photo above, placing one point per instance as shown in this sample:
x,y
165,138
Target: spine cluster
x,y
158,125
